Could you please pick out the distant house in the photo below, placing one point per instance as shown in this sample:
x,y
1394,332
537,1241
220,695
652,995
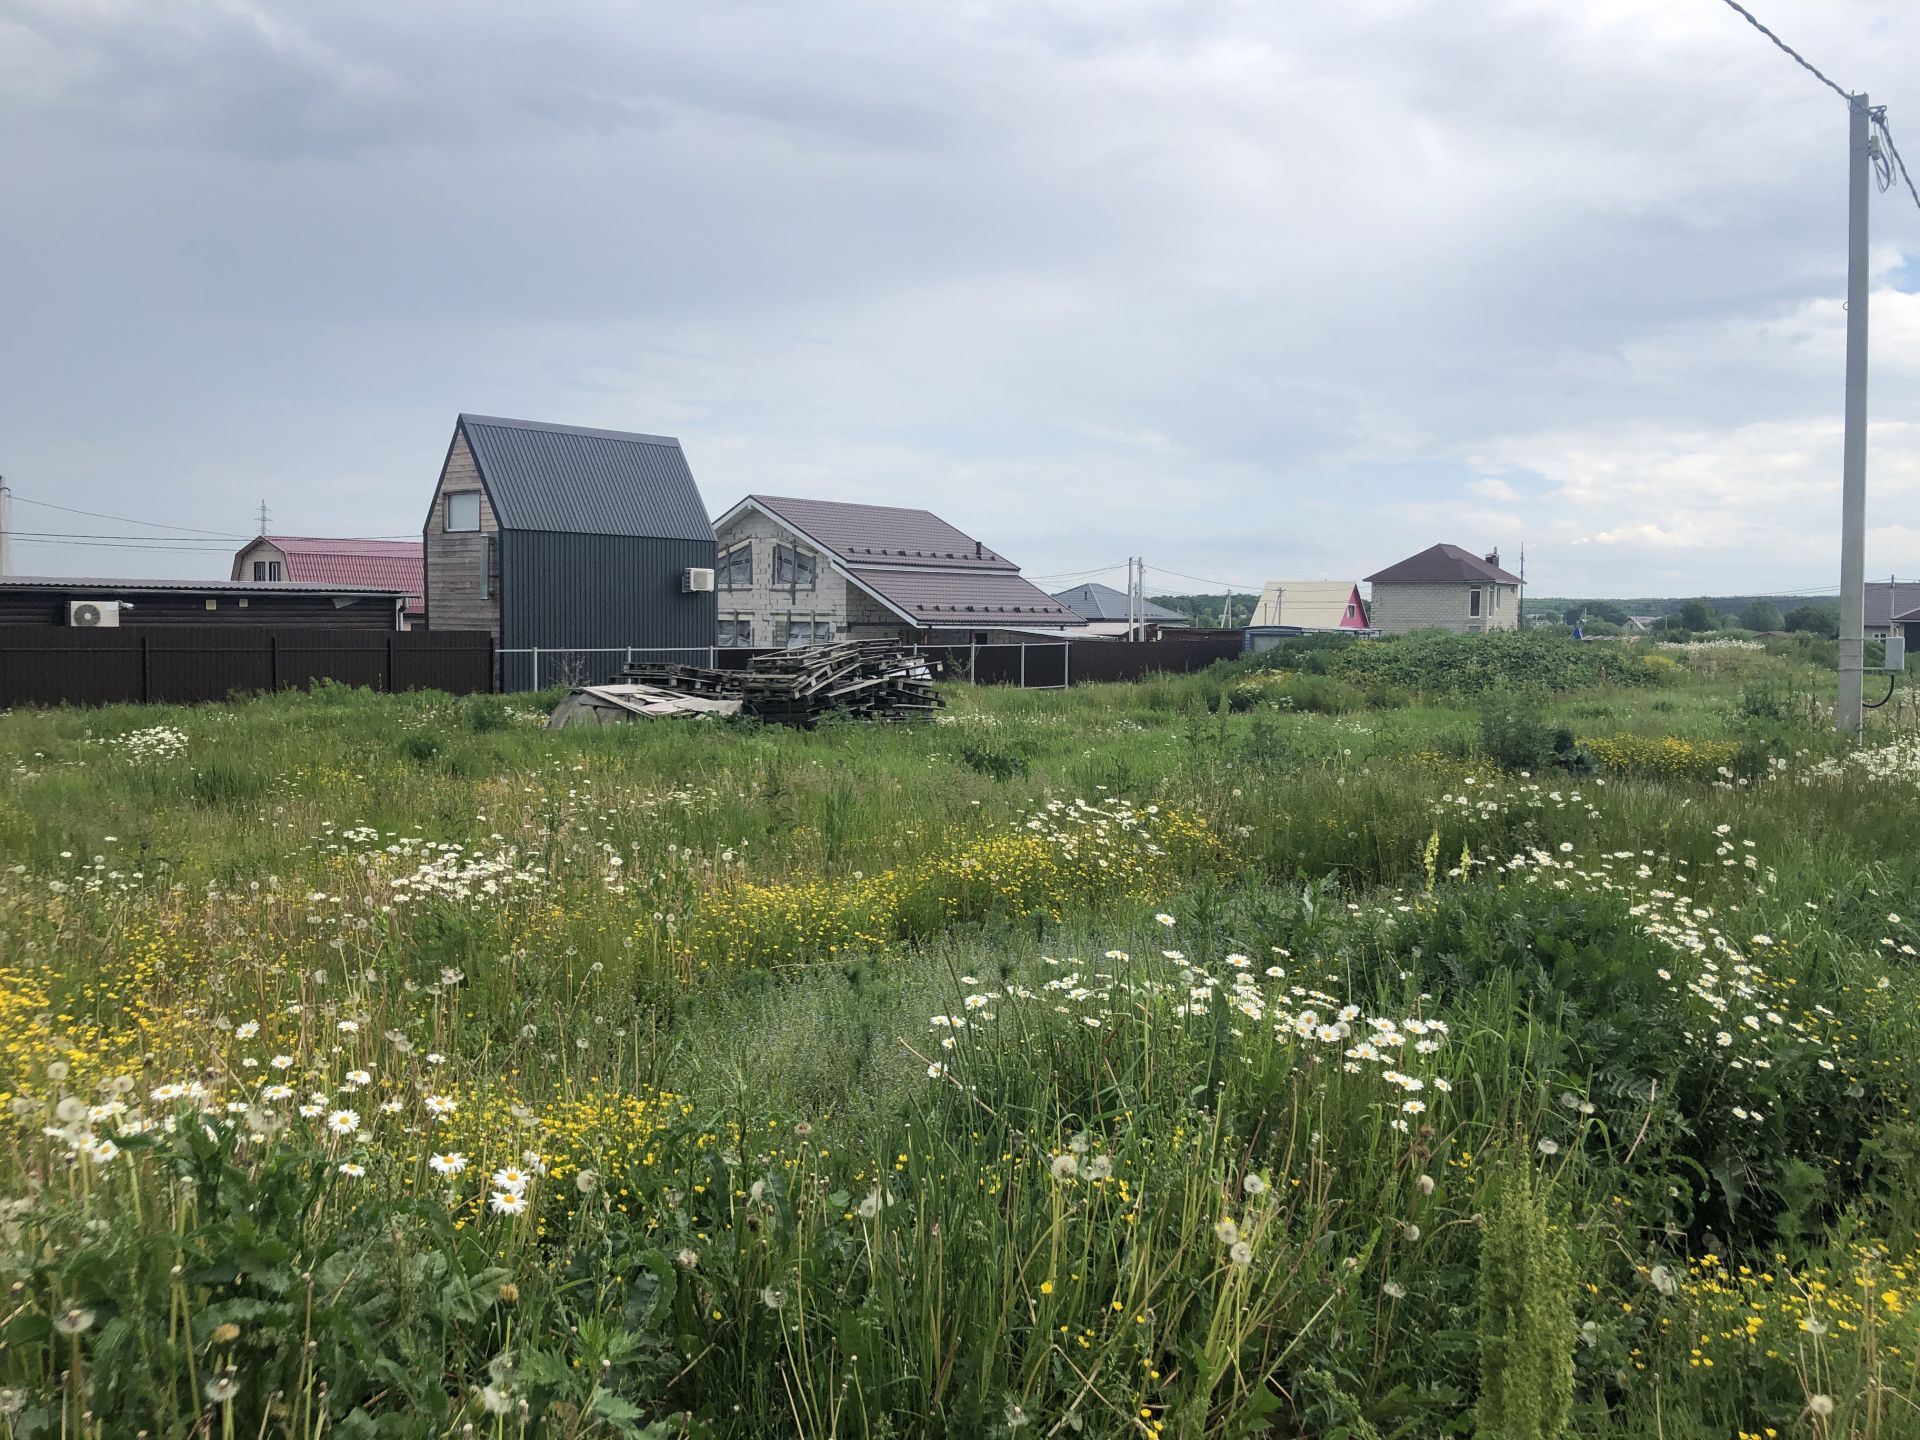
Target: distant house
x,y
310,560
1908,624
1311,605
1887,602
1106,612
572,547
113,602
1445,588
809,572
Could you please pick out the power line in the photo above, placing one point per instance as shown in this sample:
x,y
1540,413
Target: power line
x,y
1878,113
1798,58
1077,574
1202,579
127,519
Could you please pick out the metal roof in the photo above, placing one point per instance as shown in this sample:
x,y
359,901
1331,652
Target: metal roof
x,y
107,584
964,597
1103,602
571,479
383,564
1445,565
1309,604
881,534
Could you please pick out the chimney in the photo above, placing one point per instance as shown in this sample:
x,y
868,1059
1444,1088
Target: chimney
x,y
976,551
1493,556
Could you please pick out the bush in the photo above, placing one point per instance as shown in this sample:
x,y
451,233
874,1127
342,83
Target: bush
x,y
1515,736
1439,663
484,714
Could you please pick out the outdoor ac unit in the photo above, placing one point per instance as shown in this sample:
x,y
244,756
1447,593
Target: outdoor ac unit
x,y
696,581
91,613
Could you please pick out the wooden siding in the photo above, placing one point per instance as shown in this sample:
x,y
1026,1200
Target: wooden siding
x,y
460,593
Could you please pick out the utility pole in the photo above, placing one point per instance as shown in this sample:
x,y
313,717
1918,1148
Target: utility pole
x,y
1847,710
6,528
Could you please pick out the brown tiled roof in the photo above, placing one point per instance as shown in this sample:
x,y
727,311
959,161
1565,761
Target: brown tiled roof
x,y
883,534
1443,565
965,597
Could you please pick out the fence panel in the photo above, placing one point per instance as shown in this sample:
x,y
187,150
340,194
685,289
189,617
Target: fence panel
x,y
536,667
53,665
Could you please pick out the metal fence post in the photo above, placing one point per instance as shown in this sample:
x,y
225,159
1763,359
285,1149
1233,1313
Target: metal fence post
x,y
1066,664
273,662
146,673
390,664
536,669
1023,665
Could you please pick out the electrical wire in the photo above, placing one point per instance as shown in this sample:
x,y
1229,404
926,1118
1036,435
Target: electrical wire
x,y
1234,585
125,519
1798,58
1078,574
1886,134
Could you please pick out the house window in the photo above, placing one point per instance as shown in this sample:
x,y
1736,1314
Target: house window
x,y
1473,602
490,569
804,630
1349,612
266,569
463,510
734,570
736,632
792,568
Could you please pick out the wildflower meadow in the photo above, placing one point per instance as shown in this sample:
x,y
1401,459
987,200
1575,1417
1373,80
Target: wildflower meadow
x,y
1295,1050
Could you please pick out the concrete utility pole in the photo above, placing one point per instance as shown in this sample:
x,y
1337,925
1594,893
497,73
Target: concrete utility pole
x,y
6,528
1847,711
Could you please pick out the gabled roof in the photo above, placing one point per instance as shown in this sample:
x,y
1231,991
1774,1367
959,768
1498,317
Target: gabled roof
x,y
882,534
1443,565
586,482
1310,604
378,564
1103,602
913,562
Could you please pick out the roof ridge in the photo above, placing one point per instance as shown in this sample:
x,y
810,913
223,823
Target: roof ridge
x,y
467,418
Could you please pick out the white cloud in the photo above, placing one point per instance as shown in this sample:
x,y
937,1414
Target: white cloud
x,y
1255,291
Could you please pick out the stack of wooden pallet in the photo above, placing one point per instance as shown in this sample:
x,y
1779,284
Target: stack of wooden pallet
x,y
873,679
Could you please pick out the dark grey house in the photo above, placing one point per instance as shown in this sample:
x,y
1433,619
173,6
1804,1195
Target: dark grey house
x,y
573,547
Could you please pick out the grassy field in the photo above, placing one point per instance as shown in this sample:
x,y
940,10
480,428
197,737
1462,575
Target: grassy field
x,y
1402,1041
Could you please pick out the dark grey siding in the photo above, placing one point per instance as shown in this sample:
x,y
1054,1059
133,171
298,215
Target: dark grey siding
x,y
23,606
581,592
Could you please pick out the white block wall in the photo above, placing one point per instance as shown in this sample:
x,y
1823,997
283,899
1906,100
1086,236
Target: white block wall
x,y
1397,609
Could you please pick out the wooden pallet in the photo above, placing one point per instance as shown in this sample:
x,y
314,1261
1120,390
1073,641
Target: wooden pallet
x,y
870,679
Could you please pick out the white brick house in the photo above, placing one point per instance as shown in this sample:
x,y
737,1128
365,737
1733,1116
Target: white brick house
x,y
812,572
1445,588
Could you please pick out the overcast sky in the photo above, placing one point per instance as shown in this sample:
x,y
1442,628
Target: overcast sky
x,y
1254,290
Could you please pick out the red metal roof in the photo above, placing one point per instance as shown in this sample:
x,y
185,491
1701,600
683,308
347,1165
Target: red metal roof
x,y
374,564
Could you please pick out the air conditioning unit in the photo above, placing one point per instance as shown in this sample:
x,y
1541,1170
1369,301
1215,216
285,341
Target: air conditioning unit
x,y
696,581
94,613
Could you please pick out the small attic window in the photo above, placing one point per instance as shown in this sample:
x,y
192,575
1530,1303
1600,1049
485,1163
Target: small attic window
x,y
463,510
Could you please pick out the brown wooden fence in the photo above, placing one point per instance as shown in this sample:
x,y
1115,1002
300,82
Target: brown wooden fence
x,y
54,665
